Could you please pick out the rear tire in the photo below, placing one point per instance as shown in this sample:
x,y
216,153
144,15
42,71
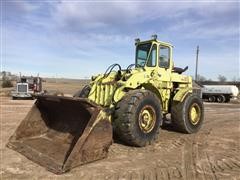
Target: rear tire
x,y
137,118
221,99
83,93
187,116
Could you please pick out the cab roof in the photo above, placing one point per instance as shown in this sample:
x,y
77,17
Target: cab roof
x,y
155,40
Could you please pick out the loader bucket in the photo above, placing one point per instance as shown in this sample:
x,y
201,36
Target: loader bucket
x,y
60,133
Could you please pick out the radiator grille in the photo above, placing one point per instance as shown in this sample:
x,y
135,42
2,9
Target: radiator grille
x,y
102,94
22,88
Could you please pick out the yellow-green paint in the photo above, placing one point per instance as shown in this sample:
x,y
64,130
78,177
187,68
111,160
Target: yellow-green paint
x,y
107,90
181,94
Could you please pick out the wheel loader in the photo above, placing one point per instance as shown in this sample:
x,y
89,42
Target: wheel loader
x,y
60,133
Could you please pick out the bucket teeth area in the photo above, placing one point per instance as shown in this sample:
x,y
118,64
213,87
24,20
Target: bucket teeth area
x,y
57,129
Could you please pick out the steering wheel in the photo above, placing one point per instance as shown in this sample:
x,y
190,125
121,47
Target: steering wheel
x,y
110,68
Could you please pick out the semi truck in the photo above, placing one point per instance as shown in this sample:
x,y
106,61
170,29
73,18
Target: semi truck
x,y
27,86
219,93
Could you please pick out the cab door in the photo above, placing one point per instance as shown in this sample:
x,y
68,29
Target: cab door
x,y
164,73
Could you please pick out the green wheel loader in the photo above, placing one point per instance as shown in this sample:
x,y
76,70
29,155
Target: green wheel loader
x,y
60,133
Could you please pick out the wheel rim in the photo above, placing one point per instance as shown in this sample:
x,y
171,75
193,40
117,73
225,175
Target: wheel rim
x,y
147,119
195,113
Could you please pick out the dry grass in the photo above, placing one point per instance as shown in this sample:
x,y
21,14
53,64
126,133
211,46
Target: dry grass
x,y
66,86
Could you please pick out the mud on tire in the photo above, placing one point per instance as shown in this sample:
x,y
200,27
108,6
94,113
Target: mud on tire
x,y
137,118
182,118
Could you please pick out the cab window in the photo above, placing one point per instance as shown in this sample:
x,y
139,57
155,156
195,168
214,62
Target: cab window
x,y
152,57
164,56
142,54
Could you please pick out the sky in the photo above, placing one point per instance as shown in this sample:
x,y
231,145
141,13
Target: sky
x,y
77,39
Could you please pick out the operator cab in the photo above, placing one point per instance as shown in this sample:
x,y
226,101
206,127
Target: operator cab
x,y
153,53
148,51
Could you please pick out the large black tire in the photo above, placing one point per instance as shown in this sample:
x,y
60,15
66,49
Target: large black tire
x,y
83,93
181,116
221,99
228,98
132,118
211,98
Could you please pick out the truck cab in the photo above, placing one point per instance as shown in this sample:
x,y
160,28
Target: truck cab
x,y
26,87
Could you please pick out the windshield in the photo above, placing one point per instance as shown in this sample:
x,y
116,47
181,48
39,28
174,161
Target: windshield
x,y
142,54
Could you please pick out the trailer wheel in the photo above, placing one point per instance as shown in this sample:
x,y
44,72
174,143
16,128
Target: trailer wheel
x,y
84,92
227,99
220,99
187,116
137,118
211,98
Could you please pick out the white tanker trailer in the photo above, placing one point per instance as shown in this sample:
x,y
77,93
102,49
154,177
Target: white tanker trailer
x,y
219,93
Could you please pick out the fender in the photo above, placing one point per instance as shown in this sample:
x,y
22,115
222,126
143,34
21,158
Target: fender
x,y
134,82
181,94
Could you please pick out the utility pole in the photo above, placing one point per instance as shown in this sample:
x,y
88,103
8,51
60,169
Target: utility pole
x,y
196,70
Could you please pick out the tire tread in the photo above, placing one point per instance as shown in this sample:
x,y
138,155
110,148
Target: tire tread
x,y
124,113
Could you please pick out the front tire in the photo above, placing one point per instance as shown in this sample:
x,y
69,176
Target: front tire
x,y
137,118
83,93
228,98
187,116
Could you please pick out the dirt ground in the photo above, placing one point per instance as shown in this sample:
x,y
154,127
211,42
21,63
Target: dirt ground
x,y
212,153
